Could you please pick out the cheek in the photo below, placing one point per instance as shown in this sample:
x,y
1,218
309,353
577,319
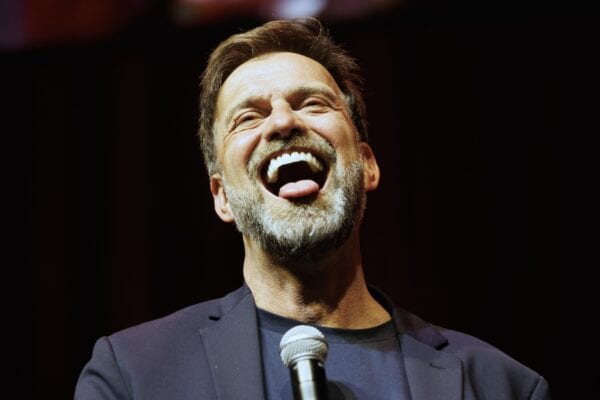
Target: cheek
x,y
239,148
337,131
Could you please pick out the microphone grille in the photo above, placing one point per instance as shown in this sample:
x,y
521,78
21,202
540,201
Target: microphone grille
x,y
302,341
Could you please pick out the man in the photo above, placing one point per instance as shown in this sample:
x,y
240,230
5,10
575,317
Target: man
x,y
283,134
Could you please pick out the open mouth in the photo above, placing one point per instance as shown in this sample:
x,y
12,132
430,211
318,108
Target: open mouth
x,y
294,174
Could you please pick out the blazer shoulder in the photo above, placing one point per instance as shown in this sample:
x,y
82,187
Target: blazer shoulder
x,y
487,371
150,360
189,319
472,349
487,366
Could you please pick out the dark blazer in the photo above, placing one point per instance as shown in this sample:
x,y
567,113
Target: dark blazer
x,y
211,351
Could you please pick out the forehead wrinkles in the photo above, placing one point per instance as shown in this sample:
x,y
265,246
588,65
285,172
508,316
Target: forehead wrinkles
x,y
273,73
258,97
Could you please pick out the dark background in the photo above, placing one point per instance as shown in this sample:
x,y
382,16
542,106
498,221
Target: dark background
x,y
474,117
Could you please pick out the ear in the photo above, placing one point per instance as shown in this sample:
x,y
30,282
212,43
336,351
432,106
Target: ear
x,y
371,169
220,198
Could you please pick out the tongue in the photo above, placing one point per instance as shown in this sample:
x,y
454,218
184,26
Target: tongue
x,y
302,188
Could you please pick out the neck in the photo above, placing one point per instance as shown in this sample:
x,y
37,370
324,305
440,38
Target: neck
x,y
330,292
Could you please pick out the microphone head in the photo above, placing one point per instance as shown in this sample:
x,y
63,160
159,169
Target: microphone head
x,y
302,341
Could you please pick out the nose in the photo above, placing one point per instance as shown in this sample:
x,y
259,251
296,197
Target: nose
x,y
283,122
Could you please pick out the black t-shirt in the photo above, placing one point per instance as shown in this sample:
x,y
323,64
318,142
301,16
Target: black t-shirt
x,y
363,364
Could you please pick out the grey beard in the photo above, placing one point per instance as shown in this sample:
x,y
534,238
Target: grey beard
x,y
302,233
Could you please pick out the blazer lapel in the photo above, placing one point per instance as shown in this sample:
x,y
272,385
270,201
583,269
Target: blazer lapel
x,y
233,351
431,374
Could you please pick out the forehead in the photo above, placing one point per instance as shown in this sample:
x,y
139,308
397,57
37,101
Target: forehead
x,y
265,75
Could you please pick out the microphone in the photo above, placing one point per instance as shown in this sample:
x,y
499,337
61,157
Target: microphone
x,y
303,350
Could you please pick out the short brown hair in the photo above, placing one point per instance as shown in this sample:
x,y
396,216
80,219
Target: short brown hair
x,y
305,36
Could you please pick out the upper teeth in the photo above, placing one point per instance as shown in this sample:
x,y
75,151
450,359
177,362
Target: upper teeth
x,y
289,158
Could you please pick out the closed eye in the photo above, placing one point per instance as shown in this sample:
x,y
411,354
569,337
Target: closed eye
x,y
314,104
247,120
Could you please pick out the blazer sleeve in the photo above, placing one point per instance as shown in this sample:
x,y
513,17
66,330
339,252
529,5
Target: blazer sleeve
x,y
101,378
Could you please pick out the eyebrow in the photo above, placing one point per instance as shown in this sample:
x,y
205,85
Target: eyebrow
x,y
301,91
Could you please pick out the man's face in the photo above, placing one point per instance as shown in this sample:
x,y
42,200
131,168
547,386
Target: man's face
x,y
292,170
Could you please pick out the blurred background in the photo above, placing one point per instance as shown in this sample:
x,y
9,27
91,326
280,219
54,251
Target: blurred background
x,y
474,113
